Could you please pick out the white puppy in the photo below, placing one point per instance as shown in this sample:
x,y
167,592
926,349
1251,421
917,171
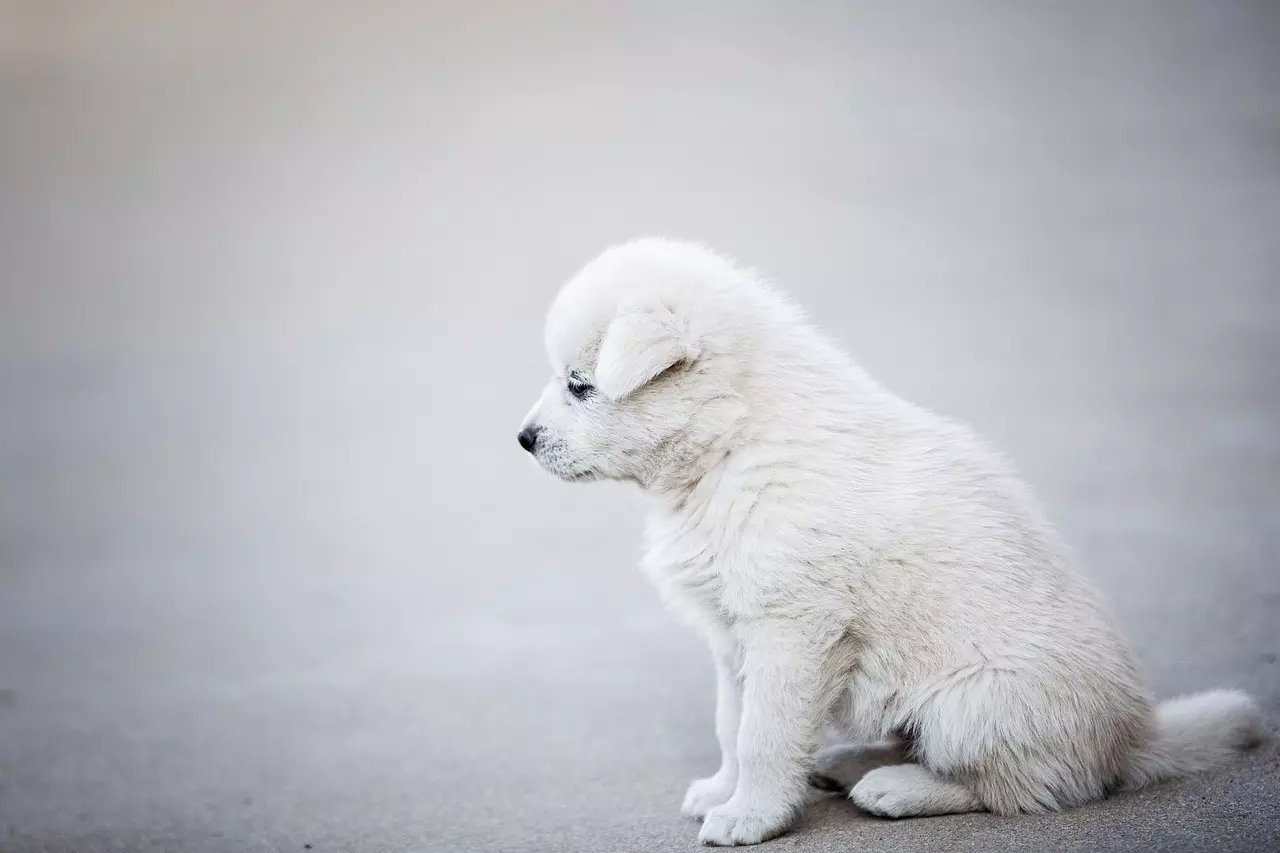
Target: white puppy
x,y
850,558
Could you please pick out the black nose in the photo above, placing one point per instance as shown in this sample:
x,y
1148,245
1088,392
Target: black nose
x,y
528,437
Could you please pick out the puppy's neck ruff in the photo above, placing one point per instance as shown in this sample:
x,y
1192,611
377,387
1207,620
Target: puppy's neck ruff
x,y
677,484
691,462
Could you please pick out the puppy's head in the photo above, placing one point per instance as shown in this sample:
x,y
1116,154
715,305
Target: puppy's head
x,y
633,389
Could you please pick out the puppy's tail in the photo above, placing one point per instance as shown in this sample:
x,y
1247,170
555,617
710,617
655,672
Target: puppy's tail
x,y
1194,733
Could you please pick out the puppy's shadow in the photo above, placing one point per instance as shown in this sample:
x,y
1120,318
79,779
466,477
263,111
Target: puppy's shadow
x,y
837,768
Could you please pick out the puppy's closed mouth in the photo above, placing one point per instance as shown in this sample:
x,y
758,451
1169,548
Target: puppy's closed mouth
x,y
570,475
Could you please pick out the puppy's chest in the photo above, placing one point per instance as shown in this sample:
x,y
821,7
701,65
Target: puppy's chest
x,y
691,568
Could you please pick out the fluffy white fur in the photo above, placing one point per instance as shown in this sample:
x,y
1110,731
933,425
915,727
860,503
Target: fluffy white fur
x,y
850,558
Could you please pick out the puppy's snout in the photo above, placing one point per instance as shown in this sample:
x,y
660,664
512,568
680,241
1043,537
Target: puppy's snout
x,y
528,437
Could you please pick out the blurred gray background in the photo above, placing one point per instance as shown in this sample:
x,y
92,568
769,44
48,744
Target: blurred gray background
x,y
273,570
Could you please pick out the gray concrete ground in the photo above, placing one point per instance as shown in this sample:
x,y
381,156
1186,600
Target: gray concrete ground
x,y
273,571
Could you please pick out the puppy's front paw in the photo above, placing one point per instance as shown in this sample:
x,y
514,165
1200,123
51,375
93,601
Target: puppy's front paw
x,y
733,823
705,794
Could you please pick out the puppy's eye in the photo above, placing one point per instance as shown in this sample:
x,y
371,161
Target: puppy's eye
x,y
579,388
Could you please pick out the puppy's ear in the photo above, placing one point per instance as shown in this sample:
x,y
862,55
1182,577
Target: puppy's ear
x,y
637,346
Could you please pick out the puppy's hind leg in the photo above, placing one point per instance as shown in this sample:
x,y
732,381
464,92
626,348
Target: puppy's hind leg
x,y
910,790
840,766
